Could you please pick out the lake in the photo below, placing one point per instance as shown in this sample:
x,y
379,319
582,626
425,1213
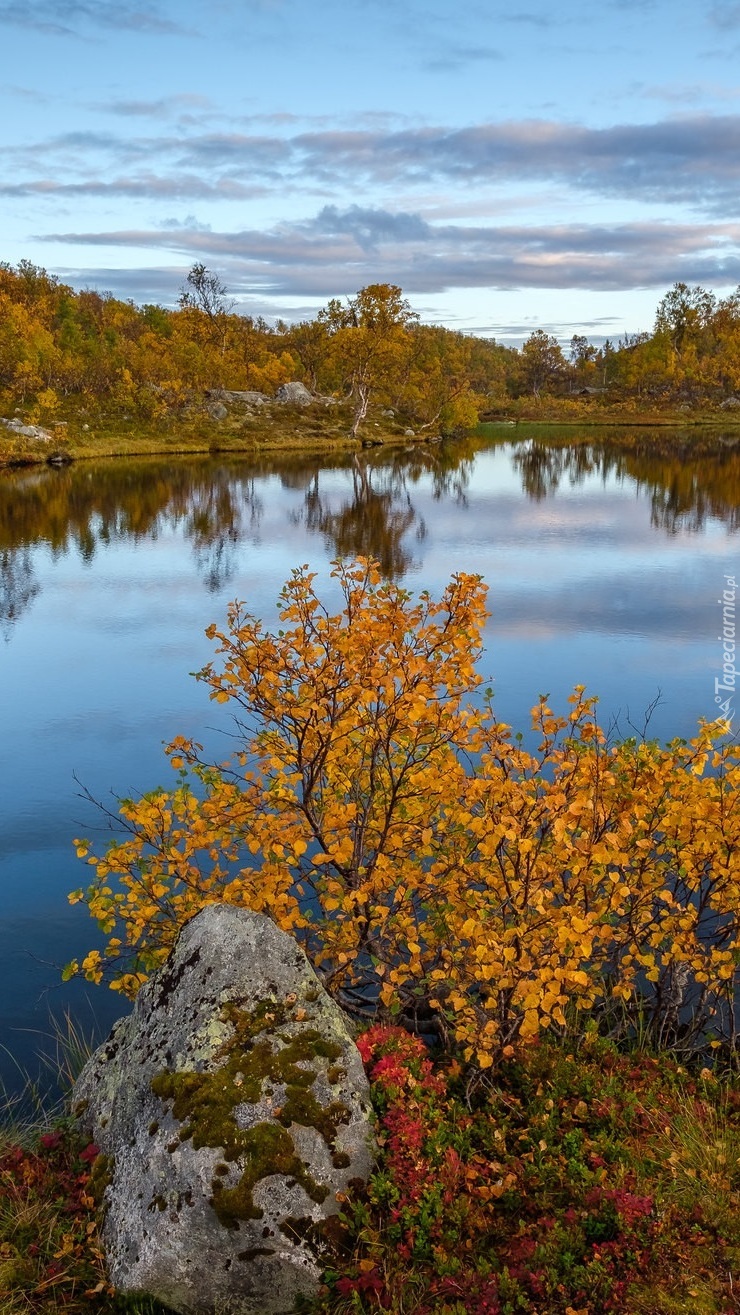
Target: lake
x,y
604,568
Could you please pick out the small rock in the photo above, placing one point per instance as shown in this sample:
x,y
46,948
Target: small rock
x,y
217,411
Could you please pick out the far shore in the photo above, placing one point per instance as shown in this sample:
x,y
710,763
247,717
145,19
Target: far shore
x,y
93,432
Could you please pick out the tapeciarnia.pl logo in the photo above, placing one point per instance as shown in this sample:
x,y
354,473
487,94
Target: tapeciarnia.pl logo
x,y
725,687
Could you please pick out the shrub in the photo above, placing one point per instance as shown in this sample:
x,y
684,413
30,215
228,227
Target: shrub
x,y
429,863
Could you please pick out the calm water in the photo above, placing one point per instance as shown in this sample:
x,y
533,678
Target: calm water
x,y
602,568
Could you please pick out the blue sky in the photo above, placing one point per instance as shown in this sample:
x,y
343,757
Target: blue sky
x,y
511,167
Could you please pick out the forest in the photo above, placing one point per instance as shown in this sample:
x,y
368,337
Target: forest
x,y
369,351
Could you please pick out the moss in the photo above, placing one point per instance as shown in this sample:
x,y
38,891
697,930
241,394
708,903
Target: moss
x,y
204,1103
265,1149
101,1176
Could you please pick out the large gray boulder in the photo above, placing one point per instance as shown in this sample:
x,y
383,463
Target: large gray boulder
x,y
294,393
230,1109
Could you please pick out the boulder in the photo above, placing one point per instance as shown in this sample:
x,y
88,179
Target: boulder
x,y
27,431
217,411
730,404
230,1109
295,393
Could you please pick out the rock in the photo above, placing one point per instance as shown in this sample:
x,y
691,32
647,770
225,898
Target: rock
x,y
295,393
27,431
730,404
409,433
230,1108
248,397
217,411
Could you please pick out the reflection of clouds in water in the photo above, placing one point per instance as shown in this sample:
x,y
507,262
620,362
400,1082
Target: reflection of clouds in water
x,y
18,587
665,606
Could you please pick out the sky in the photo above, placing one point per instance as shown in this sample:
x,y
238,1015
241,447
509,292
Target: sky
x,y
511,167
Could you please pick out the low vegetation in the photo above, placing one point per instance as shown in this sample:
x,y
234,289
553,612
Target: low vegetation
x,y
581,1177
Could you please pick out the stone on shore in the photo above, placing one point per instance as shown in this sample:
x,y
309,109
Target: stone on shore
x,y
230,1108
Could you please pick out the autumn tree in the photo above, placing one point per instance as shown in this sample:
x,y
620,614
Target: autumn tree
x,y
426,859
438,390
370,343
205,292
542,361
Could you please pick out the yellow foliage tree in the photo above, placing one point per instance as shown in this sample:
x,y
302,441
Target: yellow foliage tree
x,y
424,858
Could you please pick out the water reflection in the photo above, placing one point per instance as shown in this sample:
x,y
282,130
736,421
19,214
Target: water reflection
x,y
685,489
358,504
372,521
18,586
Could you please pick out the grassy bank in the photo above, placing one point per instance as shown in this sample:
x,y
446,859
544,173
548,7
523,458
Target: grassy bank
x,y
84,429
94,431
578,1178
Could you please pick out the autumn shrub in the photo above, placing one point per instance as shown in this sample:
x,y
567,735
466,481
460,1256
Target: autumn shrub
x,y
570,1182
431,865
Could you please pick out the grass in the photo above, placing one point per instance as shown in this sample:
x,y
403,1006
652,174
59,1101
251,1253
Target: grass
x,y
87,427
51,1256
579,1179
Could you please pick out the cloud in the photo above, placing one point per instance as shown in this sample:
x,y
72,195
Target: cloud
x,y
455,57
189,224
692,160
339,251
725,14
69,17
164,107
146,187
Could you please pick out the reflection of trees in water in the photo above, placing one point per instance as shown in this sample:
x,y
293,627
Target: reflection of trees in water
x,y
685,490
372,521
542,468
215,504
18,586
220,517
376,516
91,506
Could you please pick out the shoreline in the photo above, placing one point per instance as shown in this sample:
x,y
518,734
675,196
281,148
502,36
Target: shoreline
x,y
304,433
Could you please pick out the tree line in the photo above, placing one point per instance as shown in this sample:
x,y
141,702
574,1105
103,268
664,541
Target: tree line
x,y
369,350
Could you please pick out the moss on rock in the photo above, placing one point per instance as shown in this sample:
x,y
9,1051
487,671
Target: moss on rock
x,y
263,1050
